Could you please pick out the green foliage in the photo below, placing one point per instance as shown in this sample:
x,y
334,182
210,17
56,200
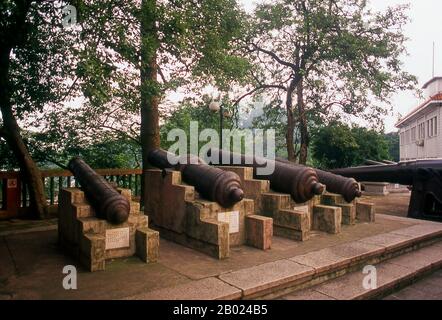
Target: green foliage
x,y
338,146
372,145
198,112
393,145
194,45
347,56
334,146
41,63
101,153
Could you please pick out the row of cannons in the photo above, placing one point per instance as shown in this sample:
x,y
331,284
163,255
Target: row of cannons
x,y
205,207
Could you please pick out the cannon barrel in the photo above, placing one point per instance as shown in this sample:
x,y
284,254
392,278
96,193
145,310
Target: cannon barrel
x,y
302,183
108,203
214,184
402,173
347,187
423,175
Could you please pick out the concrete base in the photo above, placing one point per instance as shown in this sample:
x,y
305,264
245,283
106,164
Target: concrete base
x,y
375,188
296,221
89,238
177,211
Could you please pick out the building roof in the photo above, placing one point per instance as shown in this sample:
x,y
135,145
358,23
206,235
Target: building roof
x,y
434,99
431,81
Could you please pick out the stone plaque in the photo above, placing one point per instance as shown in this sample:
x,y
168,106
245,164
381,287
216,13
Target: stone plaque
x,y
117,238
232,218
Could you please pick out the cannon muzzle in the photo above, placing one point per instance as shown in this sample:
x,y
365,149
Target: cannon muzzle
x,y
347,187
213,184
107,202
301,183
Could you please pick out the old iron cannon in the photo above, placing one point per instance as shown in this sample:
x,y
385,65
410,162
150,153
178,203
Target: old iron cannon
x,y
107,202
423,175
302,183
213,184
347,187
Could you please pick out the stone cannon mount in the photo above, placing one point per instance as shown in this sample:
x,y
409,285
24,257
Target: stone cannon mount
x,y
92,240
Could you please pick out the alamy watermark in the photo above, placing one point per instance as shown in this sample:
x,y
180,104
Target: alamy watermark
x,y
70,280
370,281
257,142
69,16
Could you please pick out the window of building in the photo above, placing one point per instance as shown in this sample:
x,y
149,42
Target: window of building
x,y
421,129
407,136
413,134
432,127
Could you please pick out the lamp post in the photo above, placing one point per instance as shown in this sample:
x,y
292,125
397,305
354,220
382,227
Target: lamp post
x,y
216,106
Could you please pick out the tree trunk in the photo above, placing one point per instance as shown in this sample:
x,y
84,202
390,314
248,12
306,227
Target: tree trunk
x,y
290,124
303,152
11,132
150,132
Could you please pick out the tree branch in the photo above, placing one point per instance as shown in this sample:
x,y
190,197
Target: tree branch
x,y
264,86
274,56
123,133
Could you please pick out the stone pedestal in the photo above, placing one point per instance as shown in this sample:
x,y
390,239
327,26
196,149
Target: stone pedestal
x,y
181,215
327,219
365,212
348,210
375,188
290,220
93,240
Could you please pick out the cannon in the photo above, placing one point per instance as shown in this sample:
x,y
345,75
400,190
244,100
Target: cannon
x,y
107,202
347,187
302,183
213,184
423,175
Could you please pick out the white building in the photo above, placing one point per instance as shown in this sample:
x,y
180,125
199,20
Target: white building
x,y
419,131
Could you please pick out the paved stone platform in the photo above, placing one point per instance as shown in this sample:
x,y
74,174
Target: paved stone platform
x,y
31,265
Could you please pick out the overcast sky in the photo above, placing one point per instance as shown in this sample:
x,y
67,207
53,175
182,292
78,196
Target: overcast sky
x,y
424,28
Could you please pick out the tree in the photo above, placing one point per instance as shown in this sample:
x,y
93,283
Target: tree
x,y
199,112
323,57
372,145
33,62
334,146
131,55
338,146
393,145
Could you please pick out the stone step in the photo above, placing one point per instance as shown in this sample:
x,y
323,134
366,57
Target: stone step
x,y
411,251
390,276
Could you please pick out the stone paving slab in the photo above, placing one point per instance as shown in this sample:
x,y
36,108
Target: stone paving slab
x,y
389,275
429,288
423,259
321,260
350,287
204,289
267,276
18,226
421,231
308,294
390,241
356,251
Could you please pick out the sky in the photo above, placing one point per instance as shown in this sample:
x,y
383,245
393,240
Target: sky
x,y
424,29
